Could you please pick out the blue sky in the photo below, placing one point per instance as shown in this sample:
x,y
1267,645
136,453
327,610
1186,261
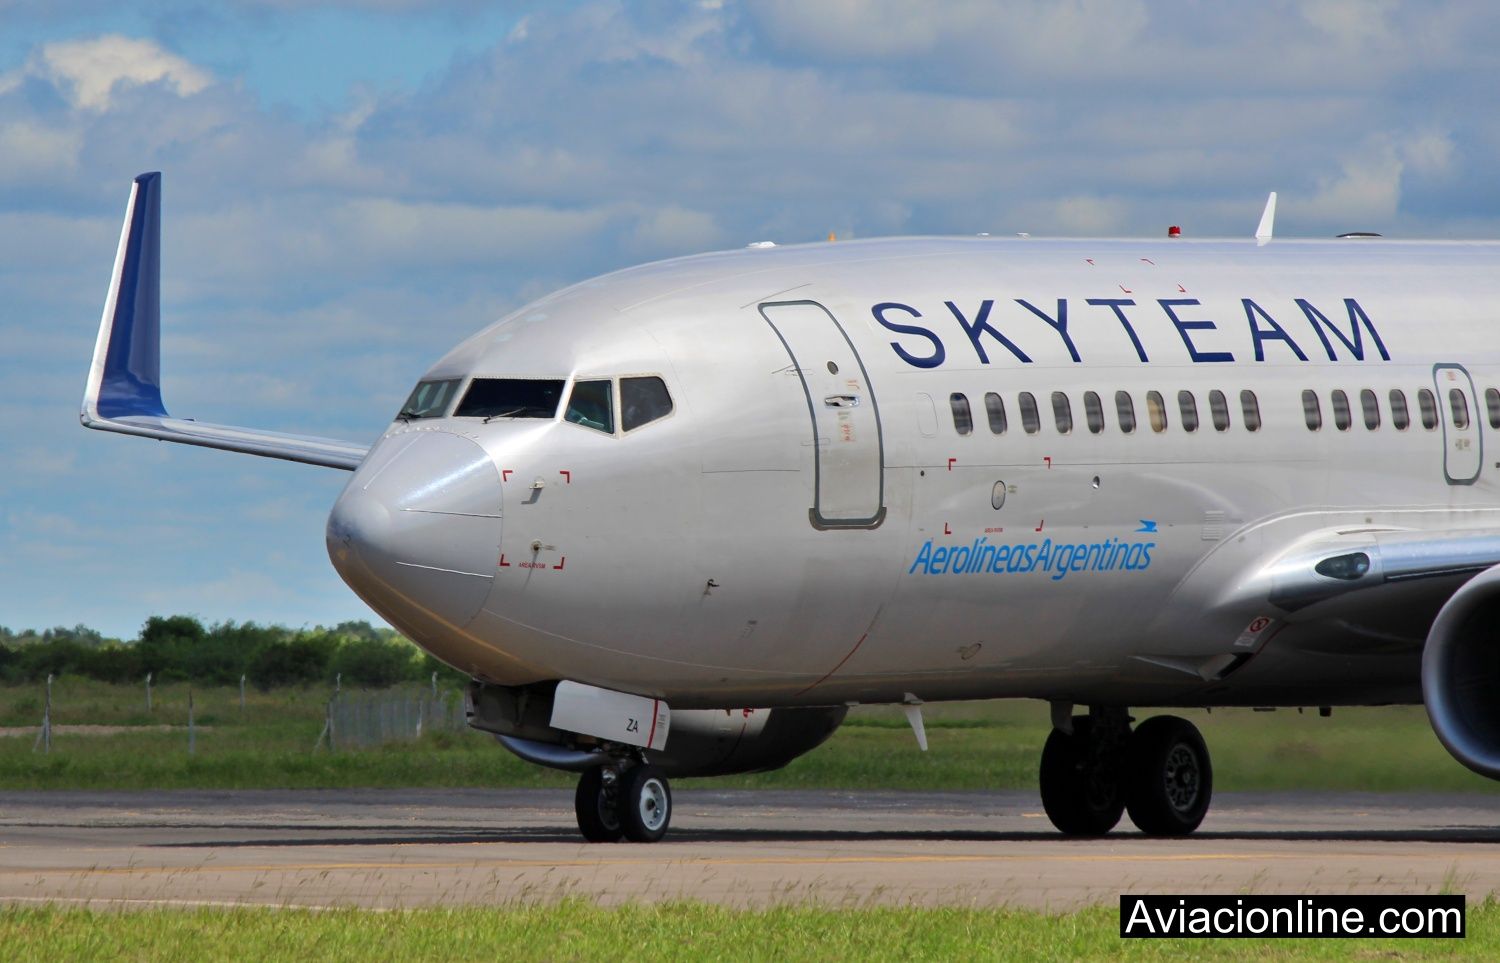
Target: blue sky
x,y
352,187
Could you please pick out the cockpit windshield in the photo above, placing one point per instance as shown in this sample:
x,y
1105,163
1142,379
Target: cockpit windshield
x,y
430,399
511,398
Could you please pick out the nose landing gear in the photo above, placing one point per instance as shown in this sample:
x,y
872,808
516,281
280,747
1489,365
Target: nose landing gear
x,y
615,802
1160,774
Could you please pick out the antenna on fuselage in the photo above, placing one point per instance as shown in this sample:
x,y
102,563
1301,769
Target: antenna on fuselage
x,y
1267,220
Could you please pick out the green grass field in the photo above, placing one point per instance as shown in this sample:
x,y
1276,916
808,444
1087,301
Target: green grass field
x,y
672,931
988,745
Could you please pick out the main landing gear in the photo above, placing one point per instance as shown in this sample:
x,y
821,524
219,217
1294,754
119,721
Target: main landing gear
x,y
615,802
1160,773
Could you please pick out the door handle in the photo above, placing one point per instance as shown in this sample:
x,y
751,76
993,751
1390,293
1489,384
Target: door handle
x,y
841,401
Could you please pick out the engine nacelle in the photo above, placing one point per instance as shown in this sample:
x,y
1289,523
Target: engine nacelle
x,y
1461,674
703,742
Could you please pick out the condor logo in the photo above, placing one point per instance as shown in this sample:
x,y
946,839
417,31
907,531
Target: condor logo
x,y
1058,559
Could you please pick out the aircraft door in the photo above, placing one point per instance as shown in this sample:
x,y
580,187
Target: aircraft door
x,y
1459,412
848,449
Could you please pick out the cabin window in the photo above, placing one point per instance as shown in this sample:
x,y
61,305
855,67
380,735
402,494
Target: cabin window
x,y
1250,410
1370,405
1062,412
963,419
511,398
1093,410
1341,416
1031,422
429,399
1156,410
1125,411
1187,408
994,409
592,405
1400,415
1218,408
1312,412
642,401
1492,402
1458,404
1427,404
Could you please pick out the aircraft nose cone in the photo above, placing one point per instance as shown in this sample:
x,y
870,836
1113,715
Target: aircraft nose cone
x,y
417,531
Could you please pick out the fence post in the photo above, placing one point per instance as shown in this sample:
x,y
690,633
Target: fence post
x,y
44,738
242,694
434,685
148,692
192,729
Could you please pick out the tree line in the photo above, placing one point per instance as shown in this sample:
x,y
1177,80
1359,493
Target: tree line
x,y
180,648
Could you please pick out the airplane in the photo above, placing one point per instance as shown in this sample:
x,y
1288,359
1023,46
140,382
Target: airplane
x,y
675,520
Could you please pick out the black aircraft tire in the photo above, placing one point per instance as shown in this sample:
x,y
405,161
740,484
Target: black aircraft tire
x,y
1079,802
597,810
645,804
1171,780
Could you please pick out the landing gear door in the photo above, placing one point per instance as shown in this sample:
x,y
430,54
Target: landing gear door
x,y
848,450
1458,410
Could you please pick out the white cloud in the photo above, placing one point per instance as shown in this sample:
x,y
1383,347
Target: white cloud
x,y
88,71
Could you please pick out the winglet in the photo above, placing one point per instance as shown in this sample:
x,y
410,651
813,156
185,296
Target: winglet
x,y
125,377
1267,219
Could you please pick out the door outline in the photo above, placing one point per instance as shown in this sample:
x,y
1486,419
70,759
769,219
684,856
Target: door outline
x,y
1445,417
814,513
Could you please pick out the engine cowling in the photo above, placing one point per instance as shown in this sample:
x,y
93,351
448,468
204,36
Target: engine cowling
x,y
1461,674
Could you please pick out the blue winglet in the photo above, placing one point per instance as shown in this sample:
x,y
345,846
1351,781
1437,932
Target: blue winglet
x,y
131,379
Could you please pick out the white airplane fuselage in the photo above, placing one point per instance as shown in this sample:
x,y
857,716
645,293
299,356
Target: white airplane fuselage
x,y
809,526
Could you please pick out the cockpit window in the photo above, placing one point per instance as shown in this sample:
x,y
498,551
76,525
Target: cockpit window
x,y
511,398
429,399
642,401
591,405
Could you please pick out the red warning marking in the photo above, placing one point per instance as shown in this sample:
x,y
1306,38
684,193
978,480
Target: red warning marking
x,y
503,562
505,475
652,734
950,463
946,529
1182,289
567,476
1089,259
1125,289
1040,524
1258,625
1147,260
1048,460
559,566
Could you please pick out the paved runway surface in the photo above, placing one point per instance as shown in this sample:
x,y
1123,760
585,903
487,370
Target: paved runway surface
x,y
419,847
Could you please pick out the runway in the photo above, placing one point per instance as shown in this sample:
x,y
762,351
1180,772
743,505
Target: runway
x,y
394,848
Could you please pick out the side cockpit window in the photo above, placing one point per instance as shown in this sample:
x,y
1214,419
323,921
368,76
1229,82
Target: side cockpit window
x,y
642,401
511,398
429,399
591,405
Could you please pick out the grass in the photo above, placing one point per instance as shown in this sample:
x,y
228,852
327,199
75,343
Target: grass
x,y
989,745
574,929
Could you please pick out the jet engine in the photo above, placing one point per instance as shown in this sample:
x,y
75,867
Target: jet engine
x,y
1461,674
703,742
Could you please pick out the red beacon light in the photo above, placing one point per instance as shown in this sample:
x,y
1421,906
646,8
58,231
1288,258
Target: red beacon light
x,y
1174,231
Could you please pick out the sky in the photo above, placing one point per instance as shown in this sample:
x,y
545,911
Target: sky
x,y
353,186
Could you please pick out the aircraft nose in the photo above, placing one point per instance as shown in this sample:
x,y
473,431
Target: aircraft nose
x,y
416,533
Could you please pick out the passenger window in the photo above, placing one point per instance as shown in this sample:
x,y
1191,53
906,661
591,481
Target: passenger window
x,y
642,401
1459,405
1125,411
1341,417
994,407
1187,407
1250,410
1218,407
429,399
1400,415
1093,409
1428,406
1031,422
963,419
591,405
1312,412
1492,402
1371,407
1062,412
1156,411
510,398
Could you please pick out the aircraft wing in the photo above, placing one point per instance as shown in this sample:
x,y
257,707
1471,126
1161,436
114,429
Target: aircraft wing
x,y
124,385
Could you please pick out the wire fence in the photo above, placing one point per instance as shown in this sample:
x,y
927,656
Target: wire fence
x,y
362,719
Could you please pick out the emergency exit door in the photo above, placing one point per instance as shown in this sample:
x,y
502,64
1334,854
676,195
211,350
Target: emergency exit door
x,y
1458,410
848,450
